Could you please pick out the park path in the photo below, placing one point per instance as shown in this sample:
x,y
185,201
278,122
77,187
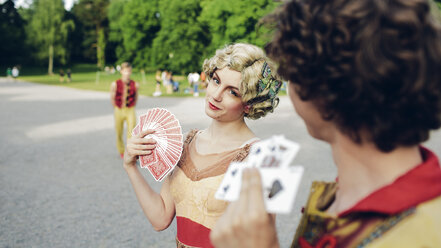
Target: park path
x,y
61,178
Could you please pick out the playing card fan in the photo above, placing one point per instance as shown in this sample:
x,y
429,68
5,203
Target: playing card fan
x,y
168,137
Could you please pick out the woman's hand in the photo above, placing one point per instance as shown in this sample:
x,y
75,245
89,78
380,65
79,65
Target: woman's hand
x,y
246,222
137,146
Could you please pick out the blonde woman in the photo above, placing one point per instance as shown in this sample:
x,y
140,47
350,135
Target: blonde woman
x,y
241,85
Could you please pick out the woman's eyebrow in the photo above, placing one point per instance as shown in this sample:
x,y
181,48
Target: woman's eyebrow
x,y
218,78
220,81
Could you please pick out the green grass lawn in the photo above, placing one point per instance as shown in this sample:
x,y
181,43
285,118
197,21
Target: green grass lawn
x,y
85,76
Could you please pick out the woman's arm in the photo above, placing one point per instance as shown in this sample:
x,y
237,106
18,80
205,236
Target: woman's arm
x,y
158,208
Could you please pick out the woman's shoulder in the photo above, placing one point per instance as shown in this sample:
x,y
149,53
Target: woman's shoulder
x,y
190,135
244,149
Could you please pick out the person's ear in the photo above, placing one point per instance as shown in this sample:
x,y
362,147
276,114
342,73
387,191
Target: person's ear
x,y
246,109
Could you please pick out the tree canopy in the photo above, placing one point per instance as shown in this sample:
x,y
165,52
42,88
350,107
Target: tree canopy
x,y
92,14
179,34
12,29
176,35
47,31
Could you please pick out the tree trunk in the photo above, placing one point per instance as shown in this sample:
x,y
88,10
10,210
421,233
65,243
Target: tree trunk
x,y
100,47
50,69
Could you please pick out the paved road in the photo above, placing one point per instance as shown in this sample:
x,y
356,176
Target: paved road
x,y
61,178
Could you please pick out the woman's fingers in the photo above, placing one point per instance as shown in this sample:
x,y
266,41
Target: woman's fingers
x,y
144,133
137,146
136,150
144,147
143,140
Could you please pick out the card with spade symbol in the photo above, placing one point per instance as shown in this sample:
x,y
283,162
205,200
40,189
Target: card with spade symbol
x,y
280,187
272,157
229,188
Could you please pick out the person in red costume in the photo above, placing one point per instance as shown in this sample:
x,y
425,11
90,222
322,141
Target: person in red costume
x,y
123,96
365,77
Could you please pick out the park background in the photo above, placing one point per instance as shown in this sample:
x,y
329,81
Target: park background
x,y
41,37
91,37
61,179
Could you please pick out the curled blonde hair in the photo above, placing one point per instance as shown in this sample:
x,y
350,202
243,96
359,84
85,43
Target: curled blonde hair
x,y
249,60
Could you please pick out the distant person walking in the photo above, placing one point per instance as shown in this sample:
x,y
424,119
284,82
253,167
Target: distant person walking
x,y
69,75
169,82
123,95
203,80
158,83
9,72
15,72
195,84
61,75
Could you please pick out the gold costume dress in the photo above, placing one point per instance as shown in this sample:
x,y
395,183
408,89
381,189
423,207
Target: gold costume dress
x,y
193,191
403,214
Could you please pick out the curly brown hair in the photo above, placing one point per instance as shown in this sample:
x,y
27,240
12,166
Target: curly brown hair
x,y
370,66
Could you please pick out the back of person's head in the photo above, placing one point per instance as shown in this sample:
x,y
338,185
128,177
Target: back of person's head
x,y
369,66
259,85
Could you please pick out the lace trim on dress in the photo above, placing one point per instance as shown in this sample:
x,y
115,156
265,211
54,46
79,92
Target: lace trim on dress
x,y
216,169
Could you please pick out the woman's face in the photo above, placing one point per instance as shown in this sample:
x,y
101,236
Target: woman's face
x,y
223,101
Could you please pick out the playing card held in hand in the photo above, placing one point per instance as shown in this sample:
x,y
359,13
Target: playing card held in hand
x,y
168,137
280,181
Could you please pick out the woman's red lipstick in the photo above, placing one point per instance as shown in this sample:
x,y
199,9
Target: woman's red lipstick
x,y
212,106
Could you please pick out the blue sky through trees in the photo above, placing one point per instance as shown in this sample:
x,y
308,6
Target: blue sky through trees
x,y
25,3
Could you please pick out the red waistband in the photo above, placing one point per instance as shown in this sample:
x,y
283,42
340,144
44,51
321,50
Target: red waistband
x,y
192,233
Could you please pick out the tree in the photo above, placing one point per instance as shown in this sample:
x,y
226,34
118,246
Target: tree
x,y
75,41
179,34
179,45
115,46
234,21
12,30
93,15
438,3
48,30
136,27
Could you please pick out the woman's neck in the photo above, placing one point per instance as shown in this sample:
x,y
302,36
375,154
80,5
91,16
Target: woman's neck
x,y
223,136
363,169
233,130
